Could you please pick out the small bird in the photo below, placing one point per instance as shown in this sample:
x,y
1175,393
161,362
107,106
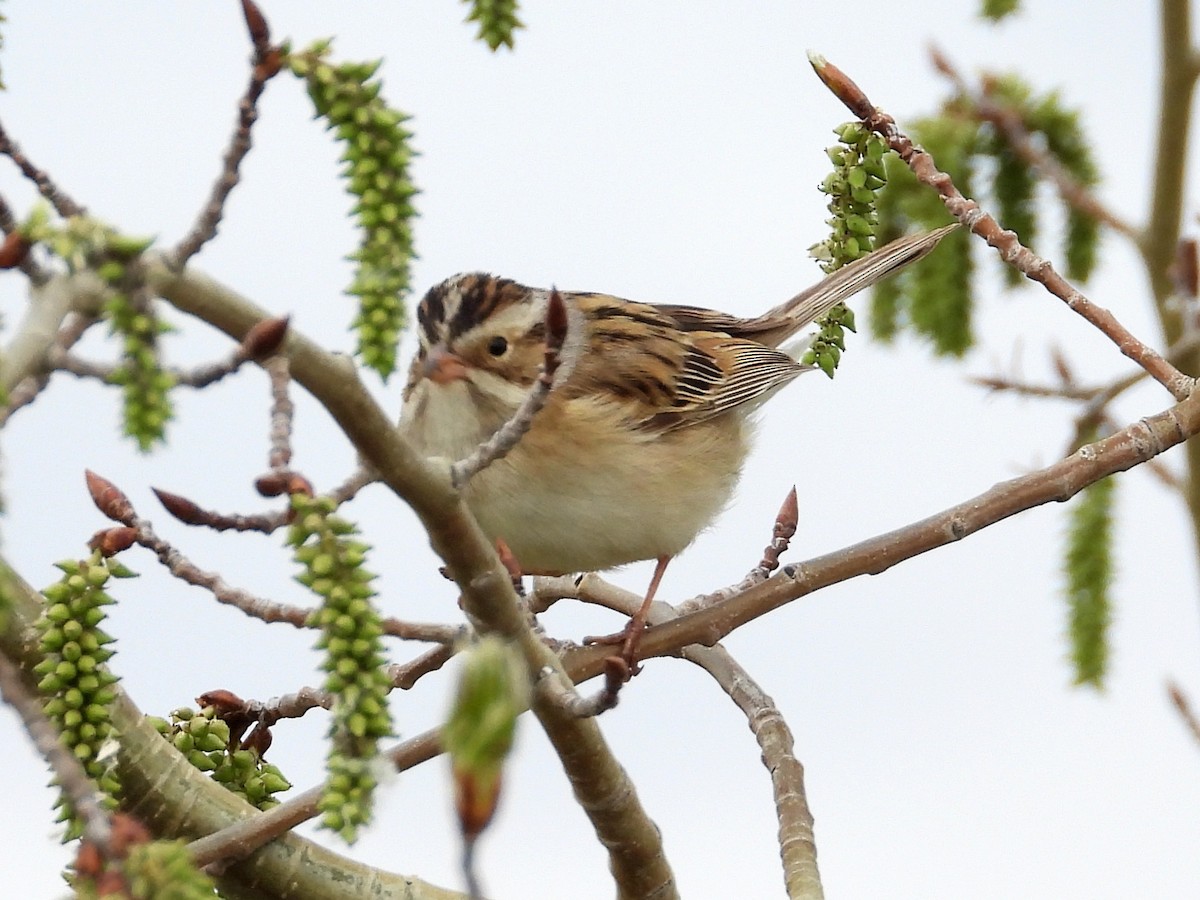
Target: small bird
x,y
640,443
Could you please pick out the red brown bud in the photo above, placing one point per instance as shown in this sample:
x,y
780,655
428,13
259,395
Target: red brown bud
x,y
298,484
258,740
269,65
789,515
272,484
126,833
223,701
181,508
475,799
841,86
14,250
109,498
509,560
256,24
111,541
89,861
265,338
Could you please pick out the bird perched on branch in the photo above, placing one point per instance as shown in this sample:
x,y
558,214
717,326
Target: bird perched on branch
x,y
640,442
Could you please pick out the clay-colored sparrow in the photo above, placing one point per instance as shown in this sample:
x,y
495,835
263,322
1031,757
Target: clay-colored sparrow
x,y
640,444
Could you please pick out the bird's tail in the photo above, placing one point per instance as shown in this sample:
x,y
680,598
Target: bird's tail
x,y
777,325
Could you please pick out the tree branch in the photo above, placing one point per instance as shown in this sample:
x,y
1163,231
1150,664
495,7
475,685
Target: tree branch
x,y
68,772
1131,446
205,228
49,306
797,846
175,799
1009,124
969,213
63,204
601,785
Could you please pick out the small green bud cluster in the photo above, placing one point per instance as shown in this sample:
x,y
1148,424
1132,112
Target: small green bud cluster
x,y
825,351
86,243
497,21
347,797
205,740
145,385
164,869
852,187
493,690
351,632
78,688
83,242
376,157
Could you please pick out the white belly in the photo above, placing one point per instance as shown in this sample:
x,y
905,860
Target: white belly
x,y
577,494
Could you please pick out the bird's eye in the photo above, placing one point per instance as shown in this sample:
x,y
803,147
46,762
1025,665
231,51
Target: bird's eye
x,y
497,346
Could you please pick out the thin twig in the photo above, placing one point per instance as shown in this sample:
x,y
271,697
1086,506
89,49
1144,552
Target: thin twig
x,y
1184,708
51,306
191,513
26,391
288,706
63,205
69,773
348,489
1000,384
558,693
209,373
282,412
242,838
406,675
114,504
205,228
1010,124
61,360
507,435
969,213
797,846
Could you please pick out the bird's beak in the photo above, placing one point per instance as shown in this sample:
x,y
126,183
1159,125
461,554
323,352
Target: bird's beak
x,y
442,367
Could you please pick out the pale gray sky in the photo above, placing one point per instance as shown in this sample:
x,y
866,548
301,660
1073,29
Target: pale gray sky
x,y
664,152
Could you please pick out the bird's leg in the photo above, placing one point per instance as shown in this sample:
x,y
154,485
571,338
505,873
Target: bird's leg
x,y
631,635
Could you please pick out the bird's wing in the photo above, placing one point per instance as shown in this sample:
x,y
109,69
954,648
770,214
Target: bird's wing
x,y
664,376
